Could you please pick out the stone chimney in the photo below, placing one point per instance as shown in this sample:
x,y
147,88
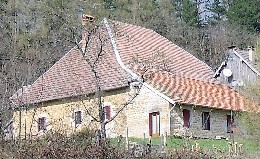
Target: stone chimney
x,y
250,54
87,21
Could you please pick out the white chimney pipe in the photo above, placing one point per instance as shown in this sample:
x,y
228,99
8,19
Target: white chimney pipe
x,y
250,54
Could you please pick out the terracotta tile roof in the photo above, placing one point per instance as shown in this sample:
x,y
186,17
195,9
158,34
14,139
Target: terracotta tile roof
x,y
195,92
71,76
134,41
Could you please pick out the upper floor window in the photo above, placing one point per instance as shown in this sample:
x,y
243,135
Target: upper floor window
x,y
205,120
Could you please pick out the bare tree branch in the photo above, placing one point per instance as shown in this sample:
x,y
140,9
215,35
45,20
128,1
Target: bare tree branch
x,y
124,105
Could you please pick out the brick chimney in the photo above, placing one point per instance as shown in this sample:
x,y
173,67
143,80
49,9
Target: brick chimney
x,y
87,21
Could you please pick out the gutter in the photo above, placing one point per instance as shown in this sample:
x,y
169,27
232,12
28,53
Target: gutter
x,y
134,75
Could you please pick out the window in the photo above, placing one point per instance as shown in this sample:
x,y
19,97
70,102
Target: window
x,y
154,124
205,121
106,113
78,117
186,118
42,123
230,123
230,79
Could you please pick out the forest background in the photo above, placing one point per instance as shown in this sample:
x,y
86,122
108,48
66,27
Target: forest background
x,y
34,34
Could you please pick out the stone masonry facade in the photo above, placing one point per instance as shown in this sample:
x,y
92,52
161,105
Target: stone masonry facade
x,y
60,115
134,117
138,113
218,122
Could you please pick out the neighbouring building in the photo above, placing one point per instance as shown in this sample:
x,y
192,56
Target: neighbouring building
x,y
239,68
179,95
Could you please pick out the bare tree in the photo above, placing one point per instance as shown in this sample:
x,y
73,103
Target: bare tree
x,y
93,48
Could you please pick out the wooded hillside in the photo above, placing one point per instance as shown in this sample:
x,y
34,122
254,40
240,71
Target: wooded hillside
x,y
34,34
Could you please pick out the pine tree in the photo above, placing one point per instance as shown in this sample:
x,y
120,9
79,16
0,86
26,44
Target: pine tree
x,y
187,11
218,9
245,13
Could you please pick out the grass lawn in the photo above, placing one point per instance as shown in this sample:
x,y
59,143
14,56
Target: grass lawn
x,y
205,144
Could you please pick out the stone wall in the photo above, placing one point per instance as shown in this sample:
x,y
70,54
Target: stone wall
x,y
218,122
60,115
134,117
138,113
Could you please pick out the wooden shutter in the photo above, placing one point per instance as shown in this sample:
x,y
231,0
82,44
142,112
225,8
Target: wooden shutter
x,y
39,127
208,122
108,111
44,123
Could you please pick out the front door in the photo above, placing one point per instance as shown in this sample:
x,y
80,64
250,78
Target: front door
x,y
154,124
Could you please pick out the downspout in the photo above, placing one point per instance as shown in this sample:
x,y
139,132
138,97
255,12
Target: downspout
x,y
118,58
173,106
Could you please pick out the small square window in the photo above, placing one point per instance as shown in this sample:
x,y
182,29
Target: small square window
x,y
42,124
78,117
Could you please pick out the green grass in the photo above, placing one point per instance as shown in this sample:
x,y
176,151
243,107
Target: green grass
x,y
205,144
251,146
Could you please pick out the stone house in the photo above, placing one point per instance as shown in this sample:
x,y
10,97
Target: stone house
x,y
177,95
239,68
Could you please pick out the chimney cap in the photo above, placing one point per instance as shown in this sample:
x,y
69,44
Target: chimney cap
x,y
88,17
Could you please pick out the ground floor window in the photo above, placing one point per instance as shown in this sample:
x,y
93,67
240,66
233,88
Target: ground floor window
x,y
186,118
106,112
205,121
230,123
42,123
78,117
154,124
